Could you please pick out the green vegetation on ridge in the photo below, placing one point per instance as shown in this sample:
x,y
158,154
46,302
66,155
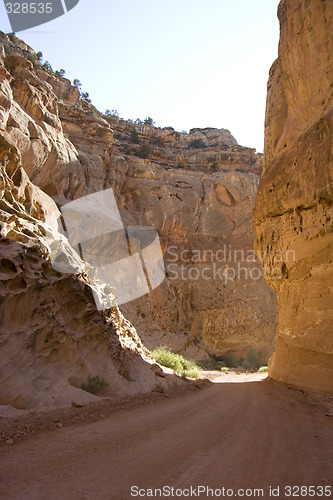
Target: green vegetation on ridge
x,y
176,362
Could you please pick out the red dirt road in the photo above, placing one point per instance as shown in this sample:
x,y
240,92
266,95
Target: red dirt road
x,y
234,435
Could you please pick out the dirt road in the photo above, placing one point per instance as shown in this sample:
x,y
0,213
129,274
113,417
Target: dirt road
x,y
253,434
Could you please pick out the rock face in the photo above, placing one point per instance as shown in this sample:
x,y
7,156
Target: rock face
x,y
197,190
202,217
52,336
293,215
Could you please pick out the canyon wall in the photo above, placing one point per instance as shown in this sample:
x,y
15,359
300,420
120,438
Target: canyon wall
x,y
52,336
293,214
196,189
200,200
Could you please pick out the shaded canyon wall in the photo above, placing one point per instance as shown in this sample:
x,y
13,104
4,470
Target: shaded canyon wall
x,y
197,189
52,336
294,209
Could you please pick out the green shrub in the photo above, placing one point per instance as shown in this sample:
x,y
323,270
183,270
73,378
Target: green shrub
x,y
224,369
197,144
85,97
135,136
191,373
12,37
157,142
60,72
77,83
144,151
94,384
8,49
47,66
92,112
176,362
263,369
32,58
148,121
127,149
113,113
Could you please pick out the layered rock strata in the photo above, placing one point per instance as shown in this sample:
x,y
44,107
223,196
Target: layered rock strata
x,y
293,214
196,189
53,339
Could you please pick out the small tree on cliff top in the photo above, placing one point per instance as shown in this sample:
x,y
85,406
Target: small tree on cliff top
x,y
77,83
113,113
148,121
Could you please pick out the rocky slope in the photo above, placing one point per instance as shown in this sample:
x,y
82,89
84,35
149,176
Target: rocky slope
x,y
293,214
52,336
196,189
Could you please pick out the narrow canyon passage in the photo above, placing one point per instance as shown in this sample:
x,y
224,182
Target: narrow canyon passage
x,y
234,435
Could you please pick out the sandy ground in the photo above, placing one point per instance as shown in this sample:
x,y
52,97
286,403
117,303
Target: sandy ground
x,y
252,434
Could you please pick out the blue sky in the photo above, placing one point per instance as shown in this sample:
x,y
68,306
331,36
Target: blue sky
x,y
185,63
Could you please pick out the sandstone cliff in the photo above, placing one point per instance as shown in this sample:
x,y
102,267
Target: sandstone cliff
x,y
200,201
196,189
52,336
293,214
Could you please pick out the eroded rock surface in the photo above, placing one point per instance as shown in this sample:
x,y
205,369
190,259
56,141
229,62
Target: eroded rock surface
x,y
197,190
293,215
199,199
52,336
